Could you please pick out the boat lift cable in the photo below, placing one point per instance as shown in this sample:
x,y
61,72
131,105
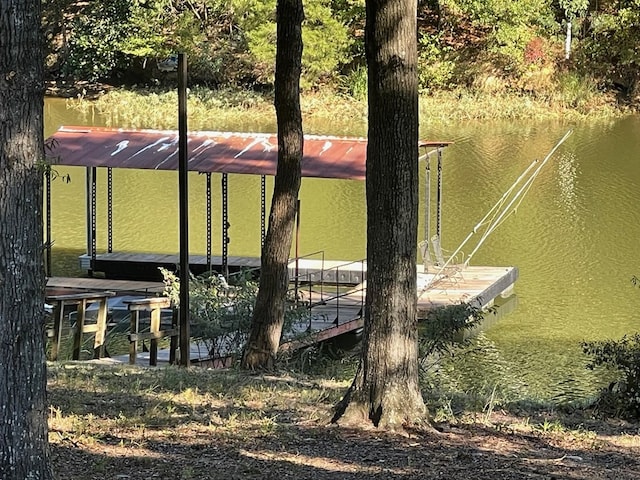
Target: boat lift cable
x,y
518,197
493,211
499,212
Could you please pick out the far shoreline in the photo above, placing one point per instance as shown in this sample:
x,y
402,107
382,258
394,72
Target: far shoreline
x,y
154,107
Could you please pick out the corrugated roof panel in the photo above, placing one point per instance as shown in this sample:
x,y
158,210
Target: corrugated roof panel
x,y
248,153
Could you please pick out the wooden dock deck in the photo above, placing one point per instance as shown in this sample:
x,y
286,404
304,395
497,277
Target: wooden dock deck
x,y
333,315
63,285
477,285
136,266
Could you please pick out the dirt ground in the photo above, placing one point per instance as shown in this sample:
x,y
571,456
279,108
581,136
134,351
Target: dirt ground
x,y
320,452
137,424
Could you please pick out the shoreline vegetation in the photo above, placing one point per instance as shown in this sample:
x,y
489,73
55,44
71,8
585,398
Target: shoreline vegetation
x,y
249,110
476,61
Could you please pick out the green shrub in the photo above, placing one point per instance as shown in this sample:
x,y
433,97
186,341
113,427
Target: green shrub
x,y
610,50
445,327
436,63
325,38
623,358
574,90
355,83
94,47
220,312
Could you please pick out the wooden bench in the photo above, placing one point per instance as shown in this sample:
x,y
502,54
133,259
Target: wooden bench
x,y
154,305
81,301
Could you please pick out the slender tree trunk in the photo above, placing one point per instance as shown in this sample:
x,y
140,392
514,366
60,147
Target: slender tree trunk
x,y
24,450
268,315
385,390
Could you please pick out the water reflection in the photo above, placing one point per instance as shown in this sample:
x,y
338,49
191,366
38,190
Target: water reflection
x,y
567,173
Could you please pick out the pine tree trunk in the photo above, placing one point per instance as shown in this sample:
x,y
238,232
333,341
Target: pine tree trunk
x,y
24,450
268,315
385,391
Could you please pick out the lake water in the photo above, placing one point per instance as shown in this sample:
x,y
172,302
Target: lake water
x,y
574,238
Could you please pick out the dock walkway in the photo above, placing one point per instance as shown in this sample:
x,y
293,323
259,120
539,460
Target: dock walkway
x,y
334,312
118,265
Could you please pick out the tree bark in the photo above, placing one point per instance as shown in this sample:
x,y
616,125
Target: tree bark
x,y
24,452
385,391
268,314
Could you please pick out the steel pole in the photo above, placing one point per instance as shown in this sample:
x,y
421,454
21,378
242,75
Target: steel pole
x,y
47,238
183,185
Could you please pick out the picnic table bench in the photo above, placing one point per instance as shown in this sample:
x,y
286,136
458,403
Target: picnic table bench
x,y
81,302
155,305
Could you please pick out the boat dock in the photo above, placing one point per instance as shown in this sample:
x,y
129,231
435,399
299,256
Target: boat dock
x,y
334,314
333,291
334,310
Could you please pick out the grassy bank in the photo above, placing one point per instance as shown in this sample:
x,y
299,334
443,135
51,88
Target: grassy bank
x,y
131,423
328,113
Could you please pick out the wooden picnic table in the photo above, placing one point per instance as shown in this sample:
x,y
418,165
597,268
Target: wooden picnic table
x,y
81,301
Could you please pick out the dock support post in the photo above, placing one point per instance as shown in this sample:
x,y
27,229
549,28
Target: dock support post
x,y
209,221
225,225
47,233
183,155
439,212
109,210
263,209
91,217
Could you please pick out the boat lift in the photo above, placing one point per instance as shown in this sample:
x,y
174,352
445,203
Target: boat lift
x,y
505,206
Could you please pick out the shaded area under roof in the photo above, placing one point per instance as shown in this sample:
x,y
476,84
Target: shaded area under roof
x,y
224,152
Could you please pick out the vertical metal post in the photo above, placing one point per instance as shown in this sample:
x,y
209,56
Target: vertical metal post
x,y
209,221
263,209
47,234
439,213
109,210
91,217
88,213
183,158
297,279
225,225
427,202
94,214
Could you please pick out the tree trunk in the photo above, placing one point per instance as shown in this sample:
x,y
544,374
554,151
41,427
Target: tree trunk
x,y
268,314
24,452
385,390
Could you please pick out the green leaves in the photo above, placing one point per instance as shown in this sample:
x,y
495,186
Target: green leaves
x,y
220,314
325,38
622,356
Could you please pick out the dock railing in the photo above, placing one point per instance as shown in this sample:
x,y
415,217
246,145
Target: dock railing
x,y
330,291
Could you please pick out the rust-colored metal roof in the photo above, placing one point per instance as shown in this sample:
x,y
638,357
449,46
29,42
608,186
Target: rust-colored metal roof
x,y
248,153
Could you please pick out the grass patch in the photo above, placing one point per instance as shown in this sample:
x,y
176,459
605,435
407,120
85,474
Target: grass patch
x,y
332,113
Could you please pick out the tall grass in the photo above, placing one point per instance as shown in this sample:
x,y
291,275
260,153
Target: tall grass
x,y
336,113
